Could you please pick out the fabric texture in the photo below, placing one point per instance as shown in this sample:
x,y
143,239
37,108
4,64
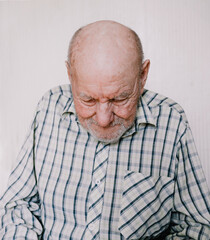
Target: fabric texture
x,y
67,185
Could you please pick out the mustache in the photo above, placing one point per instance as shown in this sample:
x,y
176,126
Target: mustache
x,y
112,124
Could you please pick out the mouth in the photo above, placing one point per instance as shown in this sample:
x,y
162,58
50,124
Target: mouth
x,y
107,128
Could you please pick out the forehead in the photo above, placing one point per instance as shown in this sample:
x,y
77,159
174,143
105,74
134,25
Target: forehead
x,y
104,75
99,86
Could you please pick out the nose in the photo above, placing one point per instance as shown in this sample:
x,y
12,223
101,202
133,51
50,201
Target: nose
x,y
104,114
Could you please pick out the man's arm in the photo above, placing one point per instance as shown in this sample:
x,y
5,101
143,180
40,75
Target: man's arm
x,y
190,216
20,205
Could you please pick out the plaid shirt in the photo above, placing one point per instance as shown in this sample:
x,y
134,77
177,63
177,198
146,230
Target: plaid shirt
x,y
67,185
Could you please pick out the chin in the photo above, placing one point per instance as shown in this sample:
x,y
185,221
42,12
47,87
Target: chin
x,y
105,139
111,135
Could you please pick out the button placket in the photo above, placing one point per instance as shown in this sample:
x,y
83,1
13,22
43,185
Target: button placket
x,y
95,202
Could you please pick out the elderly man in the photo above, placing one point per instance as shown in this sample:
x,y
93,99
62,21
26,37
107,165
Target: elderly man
x,y
105,158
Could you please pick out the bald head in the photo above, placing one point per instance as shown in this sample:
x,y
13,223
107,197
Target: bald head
x,y
106,43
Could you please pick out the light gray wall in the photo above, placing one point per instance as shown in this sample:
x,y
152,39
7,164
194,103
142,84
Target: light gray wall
x,y
34,38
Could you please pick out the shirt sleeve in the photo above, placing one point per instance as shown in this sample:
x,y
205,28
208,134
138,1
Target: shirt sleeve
x,y
20,204
190,216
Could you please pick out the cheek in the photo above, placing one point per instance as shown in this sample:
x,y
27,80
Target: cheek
x,y
126,112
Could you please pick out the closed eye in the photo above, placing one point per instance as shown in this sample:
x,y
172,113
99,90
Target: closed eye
x,y
88,101
119,101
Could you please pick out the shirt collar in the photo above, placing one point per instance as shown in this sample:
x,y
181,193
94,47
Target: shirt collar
x,y
143,117
69,107
143,114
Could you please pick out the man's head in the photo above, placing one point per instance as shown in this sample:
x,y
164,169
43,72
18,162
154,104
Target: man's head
x,y
106,70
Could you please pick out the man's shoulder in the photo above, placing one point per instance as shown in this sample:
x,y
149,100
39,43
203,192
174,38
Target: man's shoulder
x,y
156,100
57,91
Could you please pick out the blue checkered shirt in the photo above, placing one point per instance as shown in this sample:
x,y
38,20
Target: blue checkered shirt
x,y
67,185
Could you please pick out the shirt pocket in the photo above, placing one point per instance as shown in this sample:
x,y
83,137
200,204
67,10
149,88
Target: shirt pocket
x,y
146,205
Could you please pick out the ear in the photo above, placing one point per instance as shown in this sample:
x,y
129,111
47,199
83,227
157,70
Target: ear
x,y
144,73
68,71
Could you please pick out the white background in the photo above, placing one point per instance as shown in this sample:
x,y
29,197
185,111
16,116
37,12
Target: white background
x,y
34,37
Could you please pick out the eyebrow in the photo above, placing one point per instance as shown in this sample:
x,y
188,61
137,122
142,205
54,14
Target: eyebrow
x,y
83,95
121,95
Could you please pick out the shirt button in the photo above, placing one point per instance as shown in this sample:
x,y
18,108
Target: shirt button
x,y
91,226
98,181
